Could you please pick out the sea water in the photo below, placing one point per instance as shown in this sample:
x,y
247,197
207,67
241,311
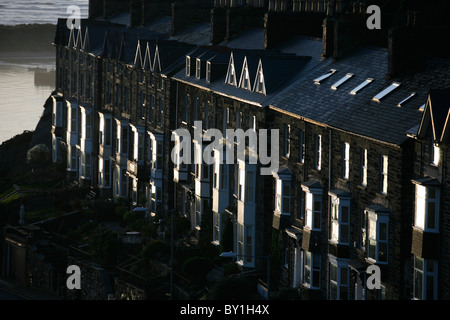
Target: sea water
x,y
21,99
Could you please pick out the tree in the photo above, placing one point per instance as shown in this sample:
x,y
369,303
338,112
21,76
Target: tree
x,y
105,246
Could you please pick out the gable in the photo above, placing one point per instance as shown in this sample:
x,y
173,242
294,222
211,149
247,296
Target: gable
x,y
156,61
147,63
231,77
138,56
259,85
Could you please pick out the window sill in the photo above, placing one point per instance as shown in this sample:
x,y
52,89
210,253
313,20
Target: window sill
x,y
425,230
372,261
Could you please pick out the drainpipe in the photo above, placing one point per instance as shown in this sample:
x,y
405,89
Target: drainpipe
x,y
329,187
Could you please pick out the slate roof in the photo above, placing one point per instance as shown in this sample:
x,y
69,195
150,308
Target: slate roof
x,y
249,39
285,67
383,121
199,34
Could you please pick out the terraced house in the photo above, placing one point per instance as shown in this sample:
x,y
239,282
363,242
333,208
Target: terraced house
x,y
355,134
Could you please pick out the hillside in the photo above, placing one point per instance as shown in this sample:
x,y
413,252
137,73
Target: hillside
x,y
29,38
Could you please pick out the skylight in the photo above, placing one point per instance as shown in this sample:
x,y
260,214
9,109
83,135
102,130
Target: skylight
x,y
341,81
386,91
321,78
401,103
362,85
422,107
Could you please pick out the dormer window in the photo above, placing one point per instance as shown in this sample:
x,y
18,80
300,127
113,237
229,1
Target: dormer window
x,y
435,154
245,80
386,91
188,66
427,208
208,71
231,73
198,68
260,86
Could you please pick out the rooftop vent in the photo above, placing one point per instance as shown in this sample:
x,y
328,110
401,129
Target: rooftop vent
x,y
386,91
325,76
401,103
362,85
341,81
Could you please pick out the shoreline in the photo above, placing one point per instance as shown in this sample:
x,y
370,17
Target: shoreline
x,y
27,54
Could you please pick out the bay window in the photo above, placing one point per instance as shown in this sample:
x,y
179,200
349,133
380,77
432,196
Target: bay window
x,y
339,280
378,228
340,218
427,208
313,206
425,279
311,270
283,196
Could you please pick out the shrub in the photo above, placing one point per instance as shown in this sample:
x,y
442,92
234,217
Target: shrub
x,y
234,288
196,268
155,249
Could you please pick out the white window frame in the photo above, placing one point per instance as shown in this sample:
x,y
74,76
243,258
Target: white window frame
x,y
384,165
340,280
283,196
340,220
363,167
287,140
375,221
422,207
198,68
422,274
302,146
318,152
346,161
313,213
311,270
435,155
188,66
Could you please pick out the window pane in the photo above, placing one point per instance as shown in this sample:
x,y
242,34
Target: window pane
x,y
344,276
286,205
316,261
286,189
418,280
316,279
316,217
430,265
317,205
344,214
430,287
372,247
382,252
343,293
333,272
418,263
382,231
431,215
333,291
344,233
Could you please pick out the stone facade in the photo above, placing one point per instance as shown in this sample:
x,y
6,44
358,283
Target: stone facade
x,y
343,198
